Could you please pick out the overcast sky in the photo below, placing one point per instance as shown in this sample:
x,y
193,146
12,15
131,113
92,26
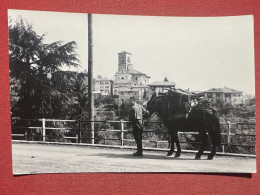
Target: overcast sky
x,y
198,53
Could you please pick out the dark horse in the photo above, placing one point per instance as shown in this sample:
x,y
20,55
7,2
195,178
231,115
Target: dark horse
x,y
174,109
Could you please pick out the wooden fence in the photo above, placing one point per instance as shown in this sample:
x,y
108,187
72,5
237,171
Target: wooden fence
x,y
26,128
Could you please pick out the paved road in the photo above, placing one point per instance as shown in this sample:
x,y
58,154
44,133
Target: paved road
x,y
41,158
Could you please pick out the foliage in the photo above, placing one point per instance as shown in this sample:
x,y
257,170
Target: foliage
x,y
125,109
15,88
30,60
108,99
69,95
222,106
235,112
100,134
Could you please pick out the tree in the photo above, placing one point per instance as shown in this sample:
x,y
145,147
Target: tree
x,y
223,107
69,99
14,91
30,61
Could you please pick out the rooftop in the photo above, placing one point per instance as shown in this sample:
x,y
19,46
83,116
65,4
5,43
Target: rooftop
x,y
139,86
125,52
101,79
223,90
132,71
163,83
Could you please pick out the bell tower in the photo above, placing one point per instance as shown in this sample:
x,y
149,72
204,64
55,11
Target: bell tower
x,y
124,61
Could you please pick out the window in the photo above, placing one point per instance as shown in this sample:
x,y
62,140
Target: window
x,y
101,82
122,78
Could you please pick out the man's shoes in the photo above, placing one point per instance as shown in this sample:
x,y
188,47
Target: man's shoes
x,y
137,154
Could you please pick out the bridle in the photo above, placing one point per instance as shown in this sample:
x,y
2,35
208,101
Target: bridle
x,y
150,102
155,97
154,101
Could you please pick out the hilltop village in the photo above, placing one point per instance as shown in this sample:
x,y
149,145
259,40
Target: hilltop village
x,y
130,82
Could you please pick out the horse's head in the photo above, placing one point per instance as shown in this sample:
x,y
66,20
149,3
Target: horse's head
x,y
158,104
151,105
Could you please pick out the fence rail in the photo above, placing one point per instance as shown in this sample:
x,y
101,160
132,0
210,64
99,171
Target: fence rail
x,y
26,130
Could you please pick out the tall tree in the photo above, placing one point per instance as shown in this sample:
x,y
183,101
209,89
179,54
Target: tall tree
x,y
30,61
69,98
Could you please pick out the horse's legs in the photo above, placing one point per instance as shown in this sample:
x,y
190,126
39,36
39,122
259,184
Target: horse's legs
x,y
214,145
215,135
174,139
213,152
178,153
169,142
170,152
204,139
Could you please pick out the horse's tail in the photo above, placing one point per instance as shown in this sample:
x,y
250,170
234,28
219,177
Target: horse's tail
x,y
217,133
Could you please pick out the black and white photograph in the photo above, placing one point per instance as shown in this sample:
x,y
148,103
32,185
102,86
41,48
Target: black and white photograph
x,y
93,93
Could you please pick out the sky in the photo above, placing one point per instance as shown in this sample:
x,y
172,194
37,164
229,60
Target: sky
x,y
197,53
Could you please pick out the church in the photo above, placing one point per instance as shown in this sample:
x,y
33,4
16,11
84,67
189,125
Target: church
x,y
128,81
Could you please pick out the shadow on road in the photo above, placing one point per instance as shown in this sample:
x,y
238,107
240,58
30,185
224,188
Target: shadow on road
x,y
146,156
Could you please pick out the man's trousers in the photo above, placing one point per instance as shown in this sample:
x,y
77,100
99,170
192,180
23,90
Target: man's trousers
x,y
138,132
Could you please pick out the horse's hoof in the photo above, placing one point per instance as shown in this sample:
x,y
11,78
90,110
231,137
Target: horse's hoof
x,y
197,157
169,153
210,157
177,155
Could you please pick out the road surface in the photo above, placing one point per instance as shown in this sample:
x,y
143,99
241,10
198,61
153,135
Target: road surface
x,y
43,158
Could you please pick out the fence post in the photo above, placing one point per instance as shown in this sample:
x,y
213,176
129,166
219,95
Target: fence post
x,y
43,130
228,136
122,133
79,131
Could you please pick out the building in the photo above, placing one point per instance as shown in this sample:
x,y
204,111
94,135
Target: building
x,y
102,86
227,94
128,79
161,86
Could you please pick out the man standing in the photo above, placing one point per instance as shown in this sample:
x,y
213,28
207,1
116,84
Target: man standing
x,y
136,117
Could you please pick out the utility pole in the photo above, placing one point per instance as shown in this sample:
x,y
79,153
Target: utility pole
x,y
90,77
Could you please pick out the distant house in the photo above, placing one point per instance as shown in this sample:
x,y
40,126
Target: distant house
x,y
102,86
161,86
227,94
